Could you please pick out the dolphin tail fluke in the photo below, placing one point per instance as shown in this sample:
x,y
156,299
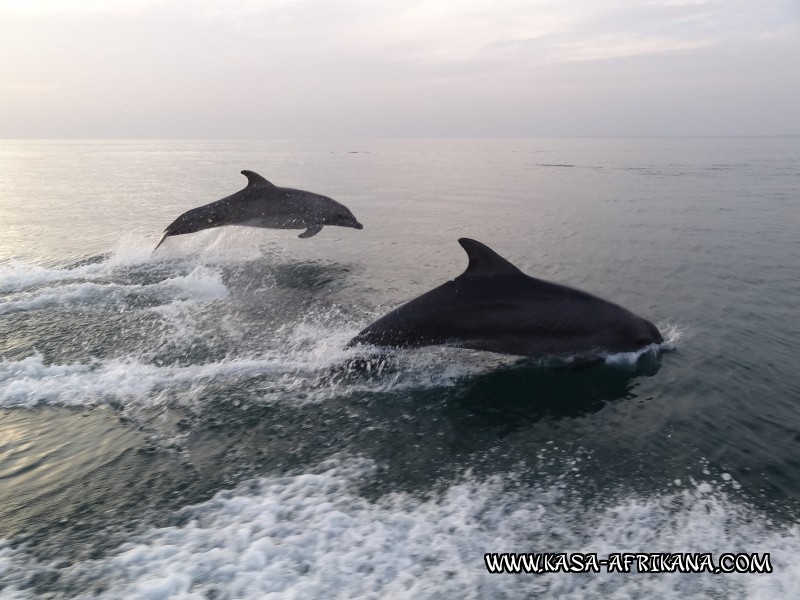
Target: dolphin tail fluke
x,y
161,241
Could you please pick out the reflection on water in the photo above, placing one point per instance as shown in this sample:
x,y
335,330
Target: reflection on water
x,y
64,473
508,399
186,454
222,358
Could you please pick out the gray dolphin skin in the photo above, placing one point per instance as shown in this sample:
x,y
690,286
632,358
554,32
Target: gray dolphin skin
x,y
262,204
494,306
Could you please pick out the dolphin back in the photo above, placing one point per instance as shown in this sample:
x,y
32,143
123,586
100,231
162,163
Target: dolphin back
x,y
496,307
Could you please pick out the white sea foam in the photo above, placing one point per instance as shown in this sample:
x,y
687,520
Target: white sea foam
x,y
633,360
18,275
218,246
30,381
10,577
135,384
671,332
58,296
308,356
313,536
200,284
297,355
132,249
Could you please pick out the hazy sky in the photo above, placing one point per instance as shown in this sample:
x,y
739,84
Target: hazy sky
x,y
404,68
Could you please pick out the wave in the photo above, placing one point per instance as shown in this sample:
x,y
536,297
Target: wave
x,y
18,275
165,331
201,283
312,367
313,535
306,359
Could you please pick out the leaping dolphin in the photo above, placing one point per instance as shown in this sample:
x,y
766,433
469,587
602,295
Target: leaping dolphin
x,y
496,307
262,204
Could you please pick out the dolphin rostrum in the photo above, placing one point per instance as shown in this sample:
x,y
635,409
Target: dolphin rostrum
x,y
262,204
496,307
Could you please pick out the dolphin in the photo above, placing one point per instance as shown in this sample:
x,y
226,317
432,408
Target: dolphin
x,y
263,204
494,306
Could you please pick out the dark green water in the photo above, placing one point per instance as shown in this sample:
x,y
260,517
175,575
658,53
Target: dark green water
x,y
184,424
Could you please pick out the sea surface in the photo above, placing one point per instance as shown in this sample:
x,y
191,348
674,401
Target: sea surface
x,y
188,424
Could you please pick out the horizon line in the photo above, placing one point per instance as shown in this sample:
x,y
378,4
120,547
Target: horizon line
x,y
432,137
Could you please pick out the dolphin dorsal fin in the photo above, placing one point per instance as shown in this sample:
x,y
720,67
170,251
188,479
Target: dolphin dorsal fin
x,y
485,261
254,180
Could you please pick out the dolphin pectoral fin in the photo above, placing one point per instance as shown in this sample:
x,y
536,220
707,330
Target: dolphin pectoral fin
x,y
161,241
311,231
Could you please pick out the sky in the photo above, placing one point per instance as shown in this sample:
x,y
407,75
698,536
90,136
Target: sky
x,y
398,68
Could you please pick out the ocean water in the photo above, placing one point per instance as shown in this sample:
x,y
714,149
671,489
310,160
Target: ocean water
x,y
185,424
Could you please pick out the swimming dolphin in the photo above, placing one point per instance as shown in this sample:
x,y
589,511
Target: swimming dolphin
x,y
496,307
262,204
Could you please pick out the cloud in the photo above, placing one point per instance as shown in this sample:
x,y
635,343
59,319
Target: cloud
x,y
49,7
35,88
170,67
616,46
